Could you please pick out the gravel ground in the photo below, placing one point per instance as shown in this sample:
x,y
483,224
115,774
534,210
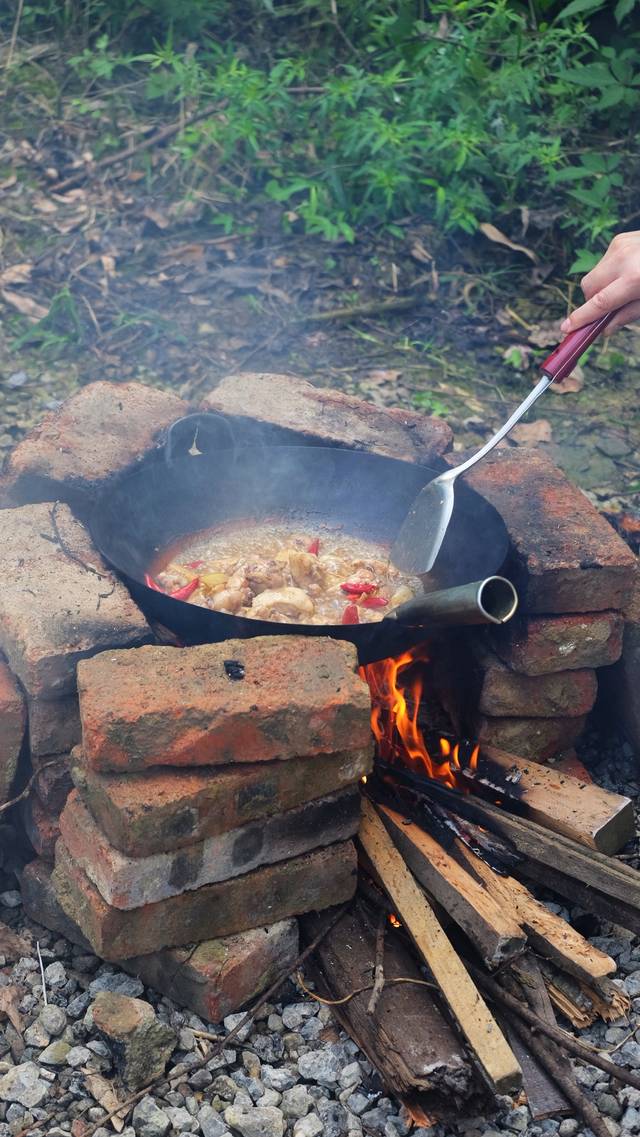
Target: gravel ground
x,y
292,1072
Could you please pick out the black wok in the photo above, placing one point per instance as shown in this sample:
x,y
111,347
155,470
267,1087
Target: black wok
x,y
364,494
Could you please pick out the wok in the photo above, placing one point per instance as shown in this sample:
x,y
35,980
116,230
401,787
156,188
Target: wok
x,y
196,487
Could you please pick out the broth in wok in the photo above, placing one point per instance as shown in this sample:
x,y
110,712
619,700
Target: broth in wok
x,y
269,571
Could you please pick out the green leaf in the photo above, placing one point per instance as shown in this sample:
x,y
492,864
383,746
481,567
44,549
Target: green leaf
x,y
585,261
622,9
579,7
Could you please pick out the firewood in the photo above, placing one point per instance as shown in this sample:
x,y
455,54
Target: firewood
x,y
548,933
406,1037
582,811
489,924
524,980
494,1056
581,1002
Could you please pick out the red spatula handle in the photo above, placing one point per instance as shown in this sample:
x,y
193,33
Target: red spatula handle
x,y
563,358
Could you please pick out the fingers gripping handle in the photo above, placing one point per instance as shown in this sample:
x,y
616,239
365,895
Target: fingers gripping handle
x,y
563,358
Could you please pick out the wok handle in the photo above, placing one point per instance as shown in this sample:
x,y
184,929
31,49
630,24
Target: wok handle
x,y
493,600
193,429
563,358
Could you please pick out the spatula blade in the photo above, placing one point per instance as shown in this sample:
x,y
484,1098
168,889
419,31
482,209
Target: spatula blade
x,y
423,530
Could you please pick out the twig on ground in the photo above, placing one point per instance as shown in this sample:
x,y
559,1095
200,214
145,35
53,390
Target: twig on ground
x,y
14,36
360,990
44,982
378,974
29,786
372,308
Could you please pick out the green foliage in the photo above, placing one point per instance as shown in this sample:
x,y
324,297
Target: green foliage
x,y
366,111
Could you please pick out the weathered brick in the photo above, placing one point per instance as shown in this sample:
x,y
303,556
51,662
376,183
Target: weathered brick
x,y
54,725
54,782
291,410
220,976
164,706
622,682
541,645
535,739
13,718
507,693
41,904
567,557
103,429
41,826
58,602
311,882
160,810
130,882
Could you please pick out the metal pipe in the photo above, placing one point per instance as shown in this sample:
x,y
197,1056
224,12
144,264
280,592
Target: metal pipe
x,y
490,601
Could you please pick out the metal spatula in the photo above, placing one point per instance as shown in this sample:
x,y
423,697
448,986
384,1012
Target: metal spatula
x,y
423,530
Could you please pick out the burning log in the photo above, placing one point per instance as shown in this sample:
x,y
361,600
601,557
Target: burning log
x,y
406,1038
494,1056
487,921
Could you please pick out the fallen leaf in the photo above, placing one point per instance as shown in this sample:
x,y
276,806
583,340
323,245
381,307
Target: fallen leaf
x,y
573,383
531,433
12,946
545,334
9,998
8,182
108,264
24,304
156,216
43,204
500,238
518,355
16,274
102,1091
379,377
419,253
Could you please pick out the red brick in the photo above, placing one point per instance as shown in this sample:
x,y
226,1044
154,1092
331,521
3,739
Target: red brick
x,y
568,558
13,718
54,783
99,432
54,725
164,706
312,882
131,882
507,693
59,602
293,410
542,645
160,810
220,976
535,739
41,826
41,904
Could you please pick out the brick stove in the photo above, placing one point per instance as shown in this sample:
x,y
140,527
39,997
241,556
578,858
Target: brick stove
x,y
154,857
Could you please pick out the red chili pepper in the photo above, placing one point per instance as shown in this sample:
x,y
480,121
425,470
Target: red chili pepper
x,y
185,592
194,564
358,587
350,614
374,602
150,583
314,546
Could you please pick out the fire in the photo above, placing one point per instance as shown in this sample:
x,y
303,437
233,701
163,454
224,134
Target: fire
x,y
396,687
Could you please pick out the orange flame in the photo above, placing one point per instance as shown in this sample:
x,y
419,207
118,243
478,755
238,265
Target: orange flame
x,y
396,687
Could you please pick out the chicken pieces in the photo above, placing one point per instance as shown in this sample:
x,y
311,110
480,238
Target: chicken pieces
x,y
284,605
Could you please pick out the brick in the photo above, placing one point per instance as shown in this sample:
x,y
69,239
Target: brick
x,y
54,725
163,706
567,558
130,882
541,645
13,718
535,739
54,782
311,882
220,976
41,826
41,904
160,810
102,430
622,682
287,409
59,602
506,693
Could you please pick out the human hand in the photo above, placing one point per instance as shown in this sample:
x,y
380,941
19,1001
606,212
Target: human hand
x,y
613,283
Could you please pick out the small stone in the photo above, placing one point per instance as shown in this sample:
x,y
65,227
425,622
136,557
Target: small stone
x,y
78,1056
278,1078
309,1126
270,1097
225,1087
231,1022
23,1084
77,1006
296,1102
11,898
568,1128
334,1118
274,1023
375,1120
351,1075
320,1066
117,982
251,1063
56,1053
296,1014
149,1120
357,1103
142,1043
200,1079
55,975
609,1106
256,1122
181,1119
186,1039
53,1019
36,1035
211,1124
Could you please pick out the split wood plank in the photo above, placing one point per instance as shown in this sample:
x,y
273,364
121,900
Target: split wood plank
x,y
492,1052
496,933
580,810
543,1096
548,933
598,883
